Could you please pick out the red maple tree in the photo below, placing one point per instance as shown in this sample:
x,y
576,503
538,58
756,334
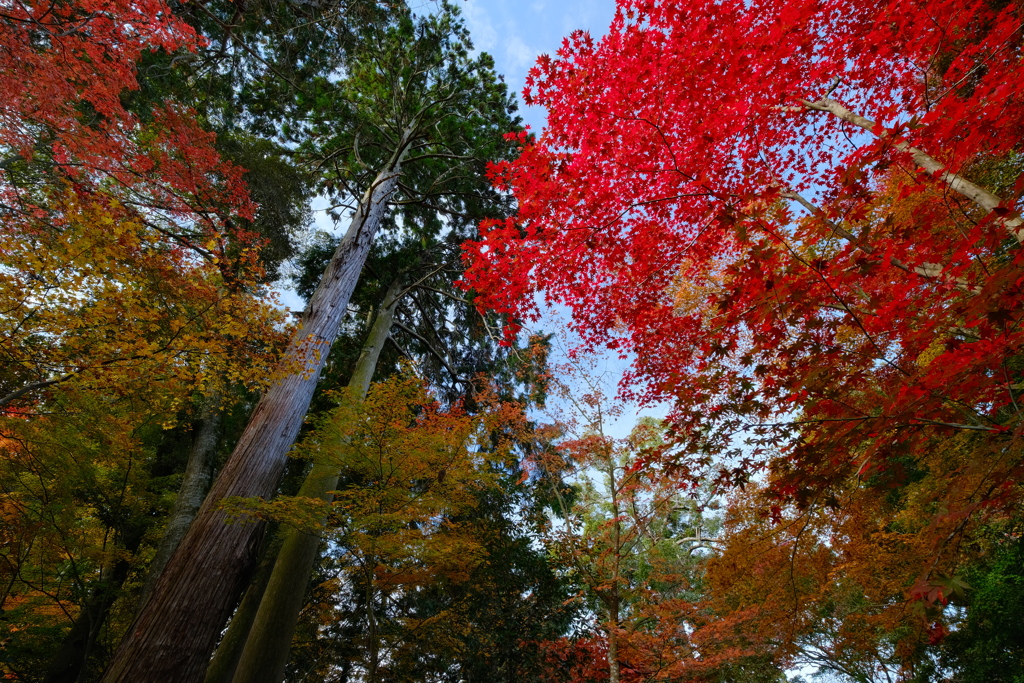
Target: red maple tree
x,y
793,214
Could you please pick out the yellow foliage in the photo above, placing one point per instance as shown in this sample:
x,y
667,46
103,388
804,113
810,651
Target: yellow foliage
x,y
102,298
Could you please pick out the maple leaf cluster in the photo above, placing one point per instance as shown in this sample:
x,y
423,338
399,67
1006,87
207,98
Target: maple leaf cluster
x,y
64,70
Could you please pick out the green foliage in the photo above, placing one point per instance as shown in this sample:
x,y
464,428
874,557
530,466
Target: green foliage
x,y
414,73
281,188
987,644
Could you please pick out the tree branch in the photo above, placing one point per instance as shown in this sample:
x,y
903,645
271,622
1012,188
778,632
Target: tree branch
x,y
980,196
36,385
434,352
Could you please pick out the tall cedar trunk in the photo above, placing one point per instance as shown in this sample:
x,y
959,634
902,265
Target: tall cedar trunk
x,y
173,636
229,651
269,643
194,486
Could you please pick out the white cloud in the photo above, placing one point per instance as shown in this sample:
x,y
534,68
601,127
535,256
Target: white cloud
x,y
481,26
518,55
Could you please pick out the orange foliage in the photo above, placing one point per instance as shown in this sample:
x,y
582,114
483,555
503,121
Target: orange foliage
x,y
858,579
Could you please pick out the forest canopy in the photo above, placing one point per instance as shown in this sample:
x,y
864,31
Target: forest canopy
x,y
797,223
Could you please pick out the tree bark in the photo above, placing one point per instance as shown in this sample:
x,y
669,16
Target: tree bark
x,y
373,639
229,652
171,639
977,194
613,646
194,486
269,643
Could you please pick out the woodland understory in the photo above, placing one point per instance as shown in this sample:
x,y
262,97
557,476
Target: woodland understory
x,y
795,222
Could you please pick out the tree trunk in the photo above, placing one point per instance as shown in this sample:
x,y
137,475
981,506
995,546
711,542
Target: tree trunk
x,y
229,652
613,602
69,663
373,642
171,639
194,486
269,643
613,647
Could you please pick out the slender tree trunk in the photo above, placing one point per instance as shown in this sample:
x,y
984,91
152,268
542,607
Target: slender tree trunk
x,y
172,638
194,486
269,643
977,194
371,623
613,602
69,663
613,642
